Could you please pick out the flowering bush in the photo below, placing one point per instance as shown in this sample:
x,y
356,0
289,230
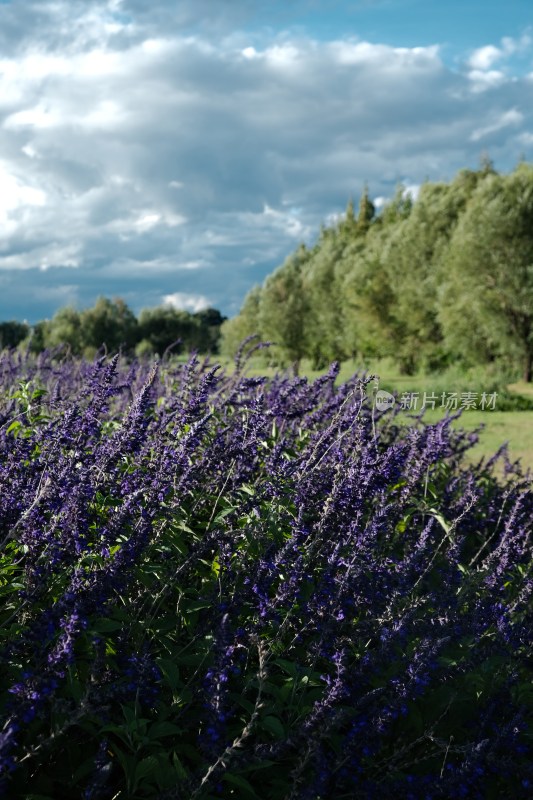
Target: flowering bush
x,y
217,586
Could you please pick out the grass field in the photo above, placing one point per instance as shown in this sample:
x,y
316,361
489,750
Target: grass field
x,y
514,427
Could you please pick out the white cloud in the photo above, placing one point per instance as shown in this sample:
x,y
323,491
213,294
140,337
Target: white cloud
x,y
62,295
511,46
412,190
143,222
287,222
15,195
250,53
283,56
481,81
30,151
52,254
186,302
511,117
525,138
484,57
37,117
139,155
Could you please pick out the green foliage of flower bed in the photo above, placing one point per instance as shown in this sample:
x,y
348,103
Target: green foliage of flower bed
x,y
216,586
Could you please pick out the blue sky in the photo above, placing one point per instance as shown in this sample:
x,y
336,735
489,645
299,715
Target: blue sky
x,y
177,152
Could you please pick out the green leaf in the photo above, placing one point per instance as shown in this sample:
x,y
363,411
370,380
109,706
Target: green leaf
x,y
226,512
241,783
170,672
10,588
160,729
287,666
193,660
440,519
243,702
274,726
127,761
178,766
196,606
107,625
144,768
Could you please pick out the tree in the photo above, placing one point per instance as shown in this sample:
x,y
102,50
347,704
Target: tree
x,y
109,323
164,326
348,225
398,208
65,327
37,336
210,321
324,324
12,333
366,211
412,253
487,298
371,323
235,330
284,307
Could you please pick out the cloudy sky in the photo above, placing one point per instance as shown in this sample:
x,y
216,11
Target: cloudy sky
x,y
168,151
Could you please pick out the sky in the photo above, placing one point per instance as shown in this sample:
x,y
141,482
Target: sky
x,y
177,152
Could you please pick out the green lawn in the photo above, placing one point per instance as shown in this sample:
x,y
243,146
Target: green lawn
x,y
515,427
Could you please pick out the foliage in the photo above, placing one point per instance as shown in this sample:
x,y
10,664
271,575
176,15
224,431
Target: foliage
x,y
235,330
218,586
283,310
167,328
445,279
488,292
112,326
12,333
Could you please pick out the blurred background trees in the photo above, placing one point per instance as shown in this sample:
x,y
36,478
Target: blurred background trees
x,y
110,325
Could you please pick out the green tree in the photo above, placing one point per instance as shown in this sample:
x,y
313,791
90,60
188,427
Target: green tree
x,y
12,333
412,255
37,335
324,324
399,208
164,326
210,322
366,211
284,307
65,327
109,323
348,225
487,298
233,331
371,323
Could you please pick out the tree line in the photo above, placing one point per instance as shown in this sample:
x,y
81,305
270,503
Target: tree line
x,y
111,324
446,279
